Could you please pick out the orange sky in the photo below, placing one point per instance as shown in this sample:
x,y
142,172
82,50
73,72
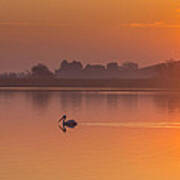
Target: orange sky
x,y
93,31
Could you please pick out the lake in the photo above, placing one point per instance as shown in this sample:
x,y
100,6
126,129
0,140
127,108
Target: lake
x,y
120,135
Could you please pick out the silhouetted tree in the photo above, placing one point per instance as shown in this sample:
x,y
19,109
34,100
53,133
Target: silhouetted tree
x,y
41,70
72,66
112,67
94,68
129,66
94,71
64,65
76,66
69,70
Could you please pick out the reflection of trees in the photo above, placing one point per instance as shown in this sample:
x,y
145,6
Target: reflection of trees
x,y
169,101
70,99
7,94
94,98
40,99
112,100
129,100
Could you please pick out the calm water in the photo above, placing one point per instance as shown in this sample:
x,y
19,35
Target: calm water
x,y
121,135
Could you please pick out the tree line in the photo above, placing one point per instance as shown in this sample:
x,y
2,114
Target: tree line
x,y
76,70
73,69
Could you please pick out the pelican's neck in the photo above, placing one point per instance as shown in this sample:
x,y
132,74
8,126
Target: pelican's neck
x,y
63,122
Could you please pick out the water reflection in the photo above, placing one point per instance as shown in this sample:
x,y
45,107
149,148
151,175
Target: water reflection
x,y
72,99
129,100
94,98
168,101
117,133
7,94
39,99
112,100
78,100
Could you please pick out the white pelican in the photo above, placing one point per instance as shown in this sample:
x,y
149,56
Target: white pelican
x,y
68,123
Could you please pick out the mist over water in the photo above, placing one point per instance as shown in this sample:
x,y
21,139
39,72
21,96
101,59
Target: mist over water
x,y
120,135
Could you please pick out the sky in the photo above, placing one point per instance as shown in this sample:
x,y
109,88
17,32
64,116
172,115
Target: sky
x,y
92,31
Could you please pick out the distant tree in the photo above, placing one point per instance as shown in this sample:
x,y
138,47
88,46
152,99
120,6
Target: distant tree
x,y
64,65
112,67
129,66
72,66
94,68
69,70
76,66
172,68
10,75
41,70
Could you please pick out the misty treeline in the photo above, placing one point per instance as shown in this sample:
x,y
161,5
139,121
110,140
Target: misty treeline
x,y
74,69
112,70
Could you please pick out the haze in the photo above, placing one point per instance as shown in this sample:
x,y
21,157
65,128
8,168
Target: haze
x,y
92,31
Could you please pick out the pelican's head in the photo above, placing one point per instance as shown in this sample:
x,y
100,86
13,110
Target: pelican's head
x,y
64,117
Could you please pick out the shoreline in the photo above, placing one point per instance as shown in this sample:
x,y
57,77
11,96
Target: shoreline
x,y
85,89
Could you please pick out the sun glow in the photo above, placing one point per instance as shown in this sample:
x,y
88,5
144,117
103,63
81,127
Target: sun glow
x,y
93,32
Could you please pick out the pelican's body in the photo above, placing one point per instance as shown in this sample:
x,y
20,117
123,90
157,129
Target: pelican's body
x,y
68,123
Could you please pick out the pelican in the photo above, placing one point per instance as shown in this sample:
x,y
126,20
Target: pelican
x,y
68,123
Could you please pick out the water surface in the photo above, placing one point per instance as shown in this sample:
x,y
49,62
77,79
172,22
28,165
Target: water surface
x,y
120,135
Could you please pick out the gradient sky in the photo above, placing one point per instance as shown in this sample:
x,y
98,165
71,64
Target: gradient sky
x,y
93,31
